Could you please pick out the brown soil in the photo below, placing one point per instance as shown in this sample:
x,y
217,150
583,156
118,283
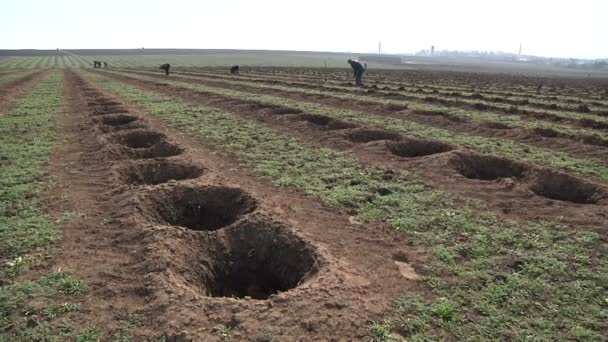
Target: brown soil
x,y
283,266
326,122
486,167
367,135
411,147
509,197
253,258
157,171
199,208
563,187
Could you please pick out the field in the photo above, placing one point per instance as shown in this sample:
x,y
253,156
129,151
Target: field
x,y
285,204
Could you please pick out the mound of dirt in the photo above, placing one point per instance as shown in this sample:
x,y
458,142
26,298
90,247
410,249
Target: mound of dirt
x,y
563,187
200,207
410,147
486,167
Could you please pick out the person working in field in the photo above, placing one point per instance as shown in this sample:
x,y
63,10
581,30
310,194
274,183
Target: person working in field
x,y
166,68
358,70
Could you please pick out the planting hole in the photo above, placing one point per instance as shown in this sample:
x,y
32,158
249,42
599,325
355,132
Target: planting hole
x,y
410,148
485,167
104,110
367,135
546,132
117,119
201,208
140,138
326,121
563,187
496,125
103,102
160,171
256,259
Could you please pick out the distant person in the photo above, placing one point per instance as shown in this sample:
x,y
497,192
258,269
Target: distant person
x,y
234,69
358,70
166,68
105,64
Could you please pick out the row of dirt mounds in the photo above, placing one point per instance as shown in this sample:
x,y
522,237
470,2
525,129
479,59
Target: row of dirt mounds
x,y
591,145
509,188
215,253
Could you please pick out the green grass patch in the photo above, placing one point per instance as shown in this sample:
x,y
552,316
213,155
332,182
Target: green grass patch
x,y
491,280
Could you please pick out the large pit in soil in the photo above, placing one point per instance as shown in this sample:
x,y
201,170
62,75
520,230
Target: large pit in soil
x,y
256,259
563,187
200,207
326,122
410,148
105,110
117,119
367,135
140,138
160,171
140,143
486,167
103,102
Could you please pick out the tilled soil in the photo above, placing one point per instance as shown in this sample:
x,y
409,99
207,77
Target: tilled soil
x,y
505,187
588,145
190,241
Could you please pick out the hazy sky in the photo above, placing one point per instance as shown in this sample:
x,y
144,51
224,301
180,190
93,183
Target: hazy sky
x,y
545,27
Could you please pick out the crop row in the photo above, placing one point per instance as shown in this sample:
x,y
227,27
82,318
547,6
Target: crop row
x,y
509,116
475,261
498,146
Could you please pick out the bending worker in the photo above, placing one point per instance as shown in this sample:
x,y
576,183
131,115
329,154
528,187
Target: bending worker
x,y
358,70
166,67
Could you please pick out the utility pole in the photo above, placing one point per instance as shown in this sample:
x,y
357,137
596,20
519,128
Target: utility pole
x,y
520,49
380,47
